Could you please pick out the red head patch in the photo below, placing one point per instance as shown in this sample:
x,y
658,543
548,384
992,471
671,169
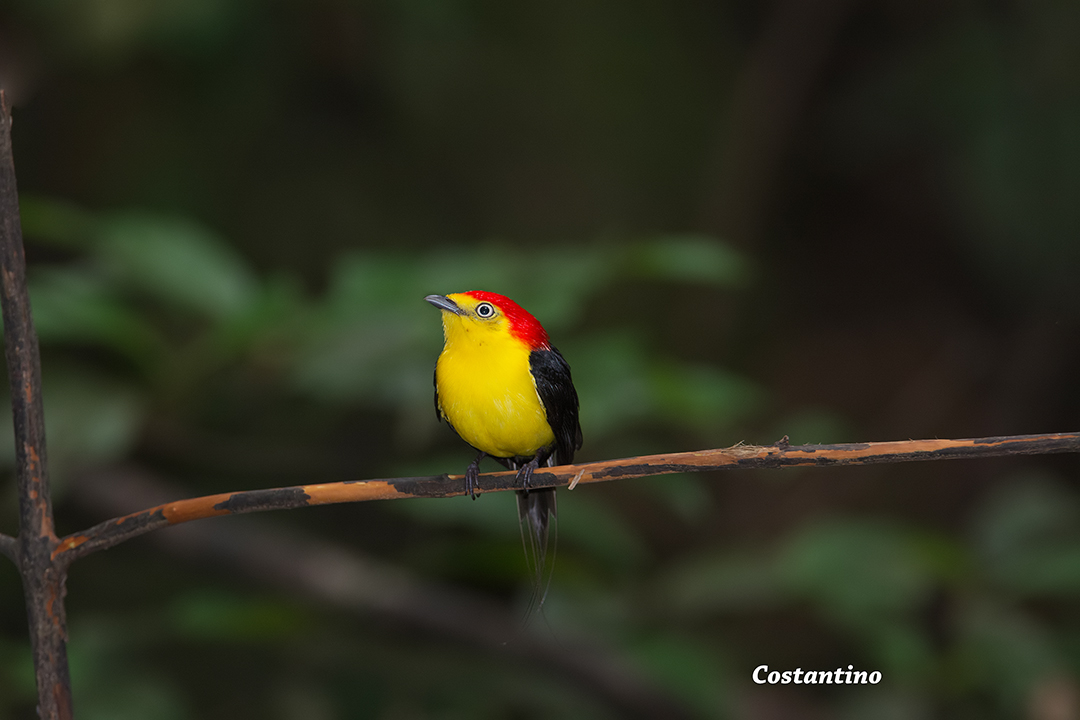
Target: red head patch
x,y
523,325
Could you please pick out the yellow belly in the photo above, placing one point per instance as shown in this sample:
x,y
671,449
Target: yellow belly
x,y
487,394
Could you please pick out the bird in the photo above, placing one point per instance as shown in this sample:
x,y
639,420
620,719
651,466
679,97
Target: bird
x,y
507,391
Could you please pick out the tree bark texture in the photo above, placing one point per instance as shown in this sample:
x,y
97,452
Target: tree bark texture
x,y
43,576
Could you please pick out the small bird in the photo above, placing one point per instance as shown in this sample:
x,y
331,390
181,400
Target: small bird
x,y
505,390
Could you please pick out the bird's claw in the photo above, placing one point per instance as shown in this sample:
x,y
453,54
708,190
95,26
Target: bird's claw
x,y
525,474
472,474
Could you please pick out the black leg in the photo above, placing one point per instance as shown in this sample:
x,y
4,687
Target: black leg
x,y
525,473
471,474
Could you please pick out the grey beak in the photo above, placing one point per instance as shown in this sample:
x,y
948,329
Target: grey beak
x,y
444,303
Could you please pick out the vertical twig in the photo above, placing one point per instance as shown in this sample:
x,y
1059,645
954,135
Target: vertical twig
x,y
43,578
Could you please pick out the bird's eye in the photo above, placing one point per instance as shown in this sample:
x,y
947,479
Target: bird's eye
x,y
485,310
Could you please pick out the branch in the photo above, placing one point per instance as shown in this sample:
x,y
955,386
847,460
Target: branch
x,y
21,353
113,532
43,579
334,576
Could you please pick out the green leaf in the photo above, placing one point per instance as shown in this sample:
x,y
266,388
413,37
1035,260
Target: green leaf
x,y
874,580
690,258
702,396
178,262
72,305
89,419
688,667
1004,653
594,526
1028,537
612,381
861,573
108,685
55,222
219,616
684,494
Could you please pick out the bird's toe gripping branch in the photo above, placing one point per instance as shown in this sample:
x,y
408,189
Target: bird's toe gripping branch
x,y
472,473
525,472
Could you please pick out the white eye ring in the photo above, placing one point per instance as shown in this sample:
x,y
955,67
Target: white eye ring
x,y
485,310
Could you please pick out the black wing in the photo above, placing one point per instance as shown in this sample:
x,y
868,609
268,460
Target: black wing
x,y
556,389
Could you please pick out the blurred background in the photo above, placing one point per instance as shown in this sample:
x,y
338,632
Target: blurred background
x,y
832,220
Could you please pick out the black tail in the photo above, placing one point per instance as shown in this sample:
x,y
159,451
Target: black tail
x,y
536,509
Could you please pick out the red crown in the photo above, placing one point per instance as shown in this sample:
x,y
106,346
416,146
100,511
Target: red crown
x,y
523,325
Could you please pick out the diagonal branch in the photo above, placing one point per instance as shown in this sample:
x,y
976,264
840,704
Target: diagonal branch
x,y
782,454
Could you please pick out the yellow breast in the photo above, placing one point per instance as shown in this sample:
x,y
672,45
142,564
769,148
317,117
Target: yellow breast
x,y
486,391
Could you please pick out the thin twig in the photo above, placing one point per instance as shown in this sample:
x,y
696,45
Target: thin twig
x,y
43,577
115,531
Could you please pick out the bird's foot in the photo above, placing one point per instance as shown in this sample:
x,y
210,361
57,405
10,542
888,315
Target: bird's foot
x,y
472,473
525,473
